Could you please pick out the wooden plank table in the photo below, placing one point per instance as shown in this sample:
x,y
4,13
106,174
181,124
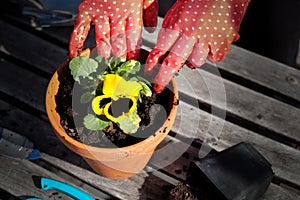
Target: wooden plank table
x,y
245,98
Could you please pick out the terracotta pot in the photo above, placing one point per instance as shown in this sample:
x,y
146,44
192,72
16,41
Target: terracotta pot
x,y
114,163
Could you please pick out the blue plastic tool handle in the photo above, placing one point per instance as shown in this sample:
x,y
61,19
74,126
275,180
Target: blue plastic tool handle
x,y
50,184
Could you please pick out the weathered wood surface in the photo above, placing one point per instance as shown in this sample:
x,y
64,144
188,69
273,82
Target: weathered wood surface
x,y
149,185
82,174
38,54
29,93
177,168
253,68
263,71
131,188
276,192
28,48
16,178
242,102
36,130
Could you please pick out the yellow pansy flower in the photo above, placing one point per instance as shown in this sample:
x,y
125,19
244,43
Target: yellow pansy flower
x,y
117,92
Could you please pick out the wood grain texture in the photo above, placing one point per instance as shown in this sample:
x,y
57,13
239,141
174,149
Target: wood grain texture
x,y
23,85
37,130
240,101
227,141
16,178
30,49
276,192
252,67
131,188
263,71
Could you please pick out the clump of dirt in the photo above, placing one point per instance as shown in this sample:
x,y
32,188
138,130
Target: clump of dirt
x,y
182,192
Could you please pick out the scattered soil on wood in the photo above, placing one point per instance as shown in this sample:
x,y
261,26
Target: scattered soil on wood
x,y
182,192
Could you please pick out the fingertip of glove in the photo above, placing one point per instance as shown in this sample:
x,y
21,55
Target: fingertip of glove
x,y
158,88
133,55
150,29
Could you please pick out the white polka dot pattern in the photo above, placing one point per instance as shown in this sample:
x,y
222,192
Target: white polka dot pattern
x,y
194,30
117,23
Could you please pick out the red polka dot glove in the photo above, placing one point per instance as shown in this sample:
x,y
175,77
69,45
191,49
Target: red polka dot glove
x,y
118,26
192,31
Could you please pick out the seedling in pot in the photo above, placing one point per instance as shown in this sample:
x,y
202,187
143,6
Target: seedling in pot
x,y
113,89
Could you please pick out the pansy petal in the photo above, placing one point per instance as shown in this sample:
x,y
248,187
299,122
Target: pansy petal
x,y
119,118
109,116
115,86
111,81
134,105
127,89
96,104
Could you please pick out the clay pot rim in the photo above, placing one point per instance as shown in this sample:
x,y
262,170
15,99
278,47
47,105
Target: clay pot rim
x,y
77,146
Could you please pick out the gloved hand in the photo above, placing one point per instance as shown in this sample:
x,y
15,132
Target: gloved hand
x,y
118,26
194,30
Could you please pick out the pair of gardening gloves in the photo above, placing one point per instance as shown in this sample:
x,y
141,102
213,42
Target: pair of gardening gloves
x,y
192,31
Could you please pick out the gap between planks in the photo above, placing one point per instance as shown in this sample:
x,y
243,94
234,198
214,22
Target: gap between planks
x,y
16,178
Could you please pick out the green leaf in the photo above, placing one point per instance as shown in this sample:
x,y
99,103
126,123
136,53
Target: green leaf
x,y
102,59
134,79
86,97
140,98
82,67
114,62
145,84
101,77
92,122
130,124
146,89
84,81
103,64
129,67
143,80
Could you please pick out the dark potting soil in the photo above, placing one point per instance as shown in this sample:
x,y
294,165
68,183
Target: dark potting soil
x,y
197,188
111,136
182,192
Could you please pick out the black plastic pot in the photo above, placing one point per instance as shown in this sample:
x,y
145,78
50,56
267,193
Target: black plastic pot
x,y
237,173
